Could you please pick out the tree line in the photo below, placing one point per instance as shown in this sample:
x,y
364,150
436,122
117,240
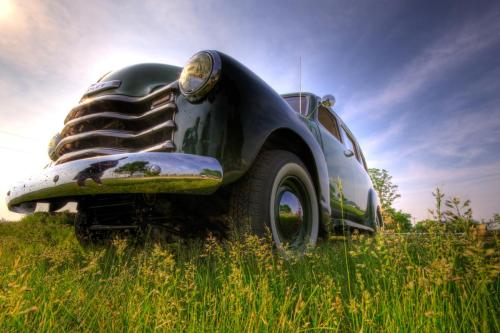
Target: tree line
x,y
450,214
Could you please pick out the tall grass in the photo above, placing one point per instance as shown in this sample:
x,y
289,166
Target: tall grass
x,y
394,283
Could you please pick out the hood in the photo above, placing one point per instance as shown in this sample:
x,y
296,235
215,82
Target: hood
x,y
136,80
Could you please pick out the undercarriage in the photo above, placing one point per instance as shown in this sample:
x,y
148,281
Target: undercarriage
x,y
158,217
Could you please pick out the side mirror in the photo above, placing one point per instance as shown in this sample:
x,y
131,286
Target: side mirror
x,y
328,101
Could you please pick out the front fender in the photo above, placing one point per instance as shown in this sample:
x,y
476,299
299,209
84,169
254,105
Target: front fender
x,y
234,121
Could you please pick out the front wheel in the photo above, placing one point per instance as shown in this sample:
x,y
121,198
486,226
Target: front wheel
x,y
277,194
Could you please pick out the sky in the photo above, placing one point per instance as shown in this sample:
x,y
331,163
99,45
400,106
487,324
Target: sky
x,y
417,82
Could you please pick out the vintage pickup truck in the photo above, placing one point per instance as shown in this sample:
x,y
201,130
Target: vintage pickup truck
x,y
209,146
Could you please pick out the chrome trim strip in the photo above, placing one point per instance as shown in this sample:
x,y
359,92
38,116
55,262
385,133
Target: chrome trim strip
x,y
94,151
113,134
338,222
116,115
169,144
118,174
170,88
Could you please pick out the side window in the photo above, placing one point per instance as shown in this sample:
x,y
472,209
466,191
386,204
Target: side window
x,y
349,143
328,121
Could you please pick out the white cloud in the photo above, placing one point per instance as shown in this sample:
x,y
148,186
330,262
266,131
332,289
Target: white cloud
x,y
464,134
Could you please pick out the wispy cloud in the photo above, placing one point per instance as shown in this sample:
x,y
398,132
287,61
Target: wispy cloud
x,y
464,133
452,49
375,141
420,175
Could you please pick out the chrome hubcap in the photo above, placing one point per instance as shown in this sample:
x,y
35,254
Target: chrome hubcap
x,y
292,212
290,215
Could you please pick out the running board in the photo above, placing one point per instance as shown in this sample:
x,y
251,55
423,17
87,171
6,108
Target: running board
x,y
340,223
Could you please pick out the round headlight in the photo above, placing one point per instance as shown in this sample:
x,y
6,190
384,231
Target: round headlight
x,y
200,75
52,146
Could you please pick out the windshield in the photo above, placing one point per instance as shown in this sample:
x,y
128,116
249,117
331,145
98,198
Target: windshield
x,y
298,103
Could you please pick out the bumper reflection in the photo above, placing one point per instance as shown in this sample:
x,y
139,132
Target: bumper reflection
x,y
125,173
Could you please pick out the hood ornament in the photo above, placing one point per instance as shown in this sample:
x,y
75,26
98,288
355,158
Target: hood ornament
x,y
100,86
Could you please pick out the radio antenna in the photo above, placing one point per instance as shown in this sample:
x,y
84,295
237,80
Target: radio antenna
x,y
300,85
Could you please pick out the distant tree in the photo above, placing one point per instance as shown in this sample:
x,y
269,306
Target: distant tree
x,y
401,220
386,190
397,220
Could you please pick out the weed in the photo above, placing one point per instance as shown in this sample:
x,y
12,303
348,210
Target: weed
x,y
405,283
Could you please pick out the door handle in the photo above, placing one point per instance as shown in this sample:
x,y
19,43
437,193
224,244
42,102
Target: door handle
x,y
348,153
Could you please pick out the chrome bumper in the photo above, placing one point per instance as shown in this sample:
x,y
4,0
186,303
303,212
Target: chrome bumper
x,y
118,174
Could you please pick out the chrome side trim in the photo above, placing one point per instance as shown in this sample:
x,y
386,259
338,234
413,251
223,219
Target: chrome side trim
x,y
145,172
338,222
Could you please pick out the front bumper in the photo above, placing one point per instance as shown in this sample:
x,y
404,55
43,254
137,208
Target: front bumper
x,y
118,174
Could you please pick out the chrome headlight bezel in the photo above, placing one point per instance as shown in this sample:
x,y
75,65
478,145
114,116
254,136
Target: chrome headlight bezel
x,y
197,93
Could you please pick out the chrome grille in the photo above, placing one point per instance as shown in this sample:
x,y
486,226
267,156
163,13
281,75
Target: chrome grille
x,y
115,124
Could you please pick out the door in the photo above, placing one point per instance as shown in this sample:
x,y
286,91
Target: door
x,y
341,166
358,177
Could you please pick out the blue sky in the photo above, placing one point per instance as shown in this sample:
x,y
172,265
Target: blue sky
x,y
418,82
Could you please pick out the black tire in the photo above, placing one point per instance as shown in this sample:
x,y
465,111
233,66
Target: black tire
x,y
277,179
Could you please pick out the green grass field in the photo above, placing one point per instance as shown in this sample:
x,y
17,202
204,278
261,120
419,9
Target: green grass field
x,y
390,283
